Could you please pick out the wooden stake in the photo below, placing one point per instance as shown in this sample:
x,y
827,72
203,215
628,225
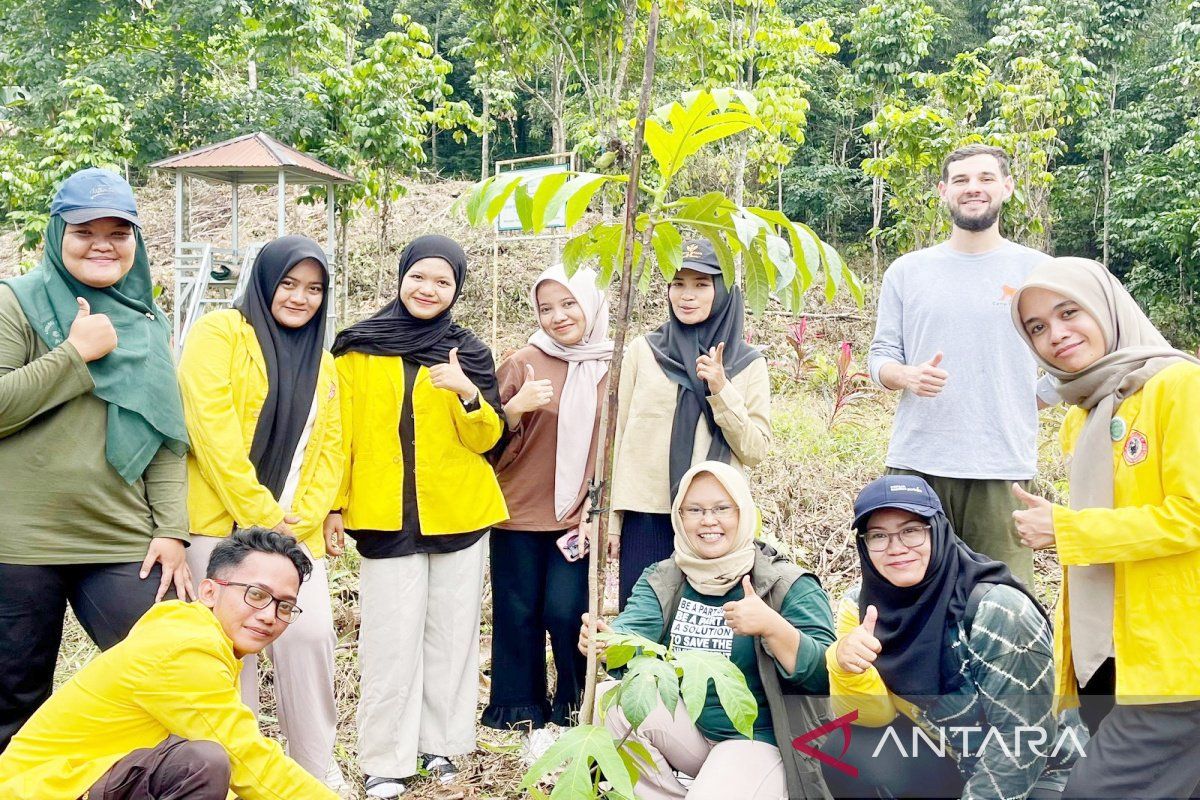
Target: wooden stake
x,y
608,412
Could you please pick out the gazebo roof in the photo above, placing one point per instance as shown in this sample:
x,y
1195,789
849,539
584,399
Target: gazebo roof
x,y
252,158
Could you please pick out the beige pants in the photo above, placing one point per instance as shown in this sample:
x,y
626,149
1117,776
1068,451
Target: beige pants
x,y
303,659
737,769
419,654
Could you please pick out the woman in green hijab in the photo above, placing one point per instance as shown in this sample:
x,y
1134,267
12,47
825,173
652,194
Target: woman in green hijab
x,y
92,442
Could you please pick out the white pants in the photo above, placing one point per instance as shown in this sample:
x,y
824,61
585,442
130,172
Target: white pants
x,y
419,654
736,769
303,659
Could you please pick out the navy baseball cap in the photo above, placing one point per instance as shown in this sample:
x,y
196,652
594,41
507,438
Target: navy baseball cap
x,y
906,492
94,193
698,255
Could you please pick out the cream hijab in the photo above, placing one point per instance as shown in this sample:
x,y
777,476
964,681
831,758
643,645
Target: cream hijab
x,y
1135,352
587,364
716,576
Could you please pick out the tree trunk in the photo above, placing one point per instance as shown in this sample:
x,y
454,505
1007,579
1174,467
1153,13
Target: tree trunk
x,y
1107,167
608,413
558,132
485,156
876,212
433,137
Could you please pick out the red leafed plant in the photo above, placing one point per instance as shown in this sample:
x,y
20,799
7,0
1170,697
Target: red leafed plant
x,y
804,349
852,386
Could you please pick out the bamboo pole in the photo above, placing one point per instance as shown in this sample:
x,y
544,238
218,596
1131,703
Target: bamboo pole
x,y
608,413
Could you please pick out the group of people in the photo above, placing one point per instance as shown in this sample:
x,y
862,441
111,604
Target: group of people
x,y
187,513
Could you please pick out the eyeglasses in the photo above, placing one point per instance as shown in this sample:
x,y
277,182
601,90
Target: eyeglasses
x,y
912,536
256,597
694,513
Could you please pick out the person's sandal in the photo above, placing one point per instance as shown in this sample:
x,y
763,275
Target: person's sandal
x,y
384,787
439,767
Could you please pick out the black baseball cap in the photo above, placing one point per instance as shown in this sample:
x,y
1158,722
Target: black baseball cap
x,y
698,255
906,492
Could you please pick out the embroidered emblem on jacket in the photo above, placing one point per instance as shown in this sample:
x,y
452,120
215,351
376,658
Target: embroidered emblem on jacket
x,y
1136,448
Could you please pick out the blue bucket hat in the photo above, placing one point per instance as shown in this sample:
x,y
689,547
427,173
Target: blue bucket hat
x,y
906,492
92,194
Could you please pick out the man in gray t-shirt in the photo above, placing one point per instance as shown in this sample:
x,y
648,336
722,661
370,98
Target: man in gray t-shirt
x,y
967,418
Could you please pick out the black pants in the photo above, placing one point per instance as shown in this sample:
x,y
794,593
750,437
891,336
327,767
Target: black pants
x,y
917,773
645,539
535,591
106,598
1099,696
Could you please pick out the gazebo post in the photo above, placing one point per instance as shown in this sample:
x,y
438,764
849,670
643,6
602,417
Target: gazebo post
x,y
281,228
234,208
330,219
178,213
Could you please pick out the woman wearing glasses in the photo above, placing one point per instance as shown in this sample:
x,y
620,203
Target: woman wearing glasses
x,y
260,399
722,592
940,637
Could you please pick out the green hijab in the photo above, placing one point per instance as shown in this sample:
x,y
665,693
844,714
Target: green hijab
x,y
137,380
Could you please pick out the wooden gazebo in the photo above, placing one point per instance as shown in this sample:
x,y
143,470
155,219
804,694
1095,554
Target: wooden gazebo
x,y
207,276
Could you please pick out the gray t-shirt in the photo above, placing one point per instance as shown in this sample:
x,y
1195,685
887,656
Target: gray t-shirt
x,y
983,425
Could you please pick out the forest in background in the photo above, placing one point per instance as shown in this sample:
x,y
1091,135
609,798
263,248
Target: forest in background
x,y
1098,100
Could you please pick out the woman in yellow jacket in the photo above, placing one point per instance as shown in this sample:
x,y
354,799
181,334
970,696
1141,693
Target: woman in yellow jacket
x,y
1130,540
260,400
420,408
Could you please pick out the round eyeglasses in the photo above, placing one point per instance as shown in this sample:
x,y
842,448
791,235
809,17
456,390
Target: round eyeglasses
x,y
256,597
910,536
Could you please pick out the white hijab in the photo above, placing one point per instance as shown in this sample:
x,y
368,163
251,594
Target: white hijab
x,y
587,364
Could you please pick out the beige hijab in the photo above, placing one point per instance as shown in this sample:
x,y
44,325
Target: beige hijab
x,y
714,577
1135,352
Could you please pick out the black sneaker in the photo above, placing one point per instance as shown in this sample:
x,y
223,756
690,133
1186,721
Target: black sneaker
x,y
439,767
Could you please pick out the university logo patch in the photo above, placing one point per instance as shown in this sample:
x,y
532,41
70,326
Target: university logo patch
x,y
1136,448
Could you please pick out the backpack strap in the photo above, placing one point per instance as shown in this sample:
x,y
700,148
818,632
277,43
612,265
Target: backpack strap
x,y
973,600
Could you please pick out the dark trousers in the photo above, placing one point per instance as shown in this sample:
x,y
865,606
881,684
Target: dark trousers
x,y
177,769
1099,696
535,591
106,598
1141,751
917,772
645,539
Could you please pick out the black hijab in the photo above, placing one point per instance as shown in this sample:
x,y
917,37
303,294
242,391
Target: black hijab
x,y
392,331
912,623
676,346
293,357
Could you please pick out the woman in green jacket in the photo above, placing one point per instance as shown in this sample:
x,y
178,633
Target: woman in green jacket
x,y
92,442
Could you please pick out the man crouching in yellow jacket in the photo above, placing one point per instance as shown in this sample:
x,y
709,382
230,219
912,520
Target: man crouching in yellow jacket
x,y
159,715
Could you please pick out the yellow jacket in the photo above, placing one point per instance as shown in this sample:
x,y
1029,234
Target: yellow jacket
x,y
223,378
457,490
1151,537
174,674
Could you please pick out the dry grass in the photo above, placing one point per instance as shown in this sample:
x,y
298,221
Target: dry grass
x,y
805,489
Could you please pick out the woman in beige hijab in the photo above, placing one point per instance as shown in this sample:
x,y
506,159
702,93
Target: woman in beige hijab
x,y
722,592
1129,541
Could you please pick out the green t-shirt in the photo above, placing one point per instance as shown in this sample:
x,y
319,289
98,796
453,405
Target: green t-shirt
x,y
62,501
699,625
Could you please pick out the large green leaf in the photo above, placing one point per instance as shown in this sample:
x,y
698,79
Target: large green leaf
x,y
647,682
547,188
497,193
678,130
700,669
759,274
575,194
579,748
668,248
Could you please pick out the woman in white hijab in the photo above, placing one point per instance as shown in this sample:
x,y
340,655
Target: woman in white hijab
x,y
551,390
1129,541
722,592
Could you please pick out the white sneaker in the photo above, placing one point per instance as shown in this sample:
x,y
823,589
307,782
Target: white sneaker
x,y
384,787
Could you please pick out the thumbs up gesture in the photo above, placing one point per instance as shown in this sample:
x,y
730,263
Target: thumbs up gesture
x,y
710,368
533,394
1035,522
750,616
451,376
926,379
856,651
92,335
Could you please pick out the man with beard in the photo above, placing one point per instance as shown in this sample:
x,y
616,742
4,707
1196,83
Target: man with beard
x,y
967,417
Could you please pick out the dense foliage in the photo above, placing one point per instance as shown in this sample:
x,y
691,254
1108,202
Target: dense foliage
x,y
1098,100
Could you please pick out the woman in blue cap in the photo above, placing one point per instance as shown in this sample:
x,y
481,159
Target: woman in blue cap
x,y
693,390
940,638
92,442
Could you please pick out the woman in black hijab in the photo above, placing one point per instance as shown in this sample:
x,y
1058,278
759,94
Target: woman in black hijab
x,y
421,409
943,638
260,401
693,390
